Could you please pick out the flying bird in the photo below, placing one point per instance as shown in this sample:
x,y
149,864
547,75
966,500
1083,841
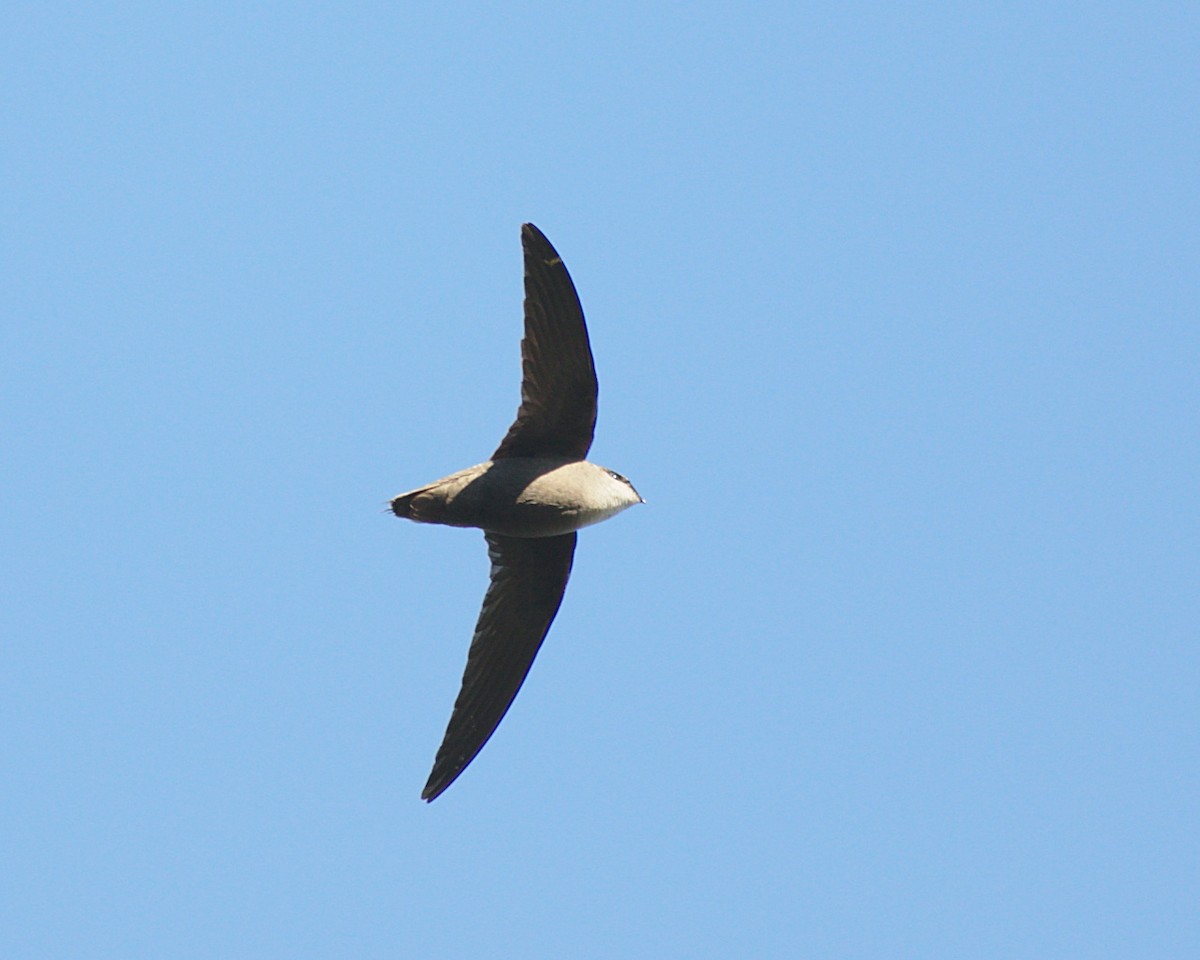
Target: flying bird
x,y
529,499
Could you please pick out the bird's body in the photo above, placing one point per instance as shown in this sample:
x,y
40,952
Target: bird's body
x,y
529,499
521,497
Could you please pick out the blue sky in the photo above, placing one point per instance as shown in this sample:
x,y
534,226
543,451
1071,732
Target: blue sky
x,y
894,309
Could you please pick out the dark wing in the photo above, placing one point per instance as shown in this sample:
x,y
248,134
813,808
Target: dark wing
x,y
557,416
529,576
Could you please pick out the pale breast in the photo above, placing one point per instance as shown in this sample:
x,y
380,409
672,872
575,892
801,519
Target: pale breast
x,y
527,497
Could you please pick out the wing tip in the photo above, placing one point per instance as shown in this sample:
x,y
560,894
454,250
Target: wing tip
x,y
533,238
429,795
439,780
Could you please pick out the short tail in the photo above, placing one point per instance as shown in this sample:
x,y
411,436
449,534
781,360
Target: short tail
x,y
420,505
402,505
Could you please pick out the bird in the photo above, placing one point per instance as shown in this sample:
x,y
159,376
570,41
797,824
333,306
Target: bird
x,y
529,499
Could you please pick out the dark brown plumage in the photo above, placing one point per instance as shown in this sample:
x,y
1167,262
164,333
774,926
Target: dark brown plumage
x,y
528,578
557,416
529,499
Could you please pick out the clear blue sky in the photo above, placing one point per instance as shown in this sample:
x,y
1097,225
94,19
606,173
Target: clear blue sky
x,y
895,311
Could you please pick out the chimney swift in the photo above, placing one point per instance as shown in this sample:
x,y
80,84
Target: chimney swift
x,y
529,499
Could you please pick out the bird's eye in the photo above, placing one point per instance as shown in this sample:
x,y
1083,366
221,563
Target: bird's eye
x,y
617,476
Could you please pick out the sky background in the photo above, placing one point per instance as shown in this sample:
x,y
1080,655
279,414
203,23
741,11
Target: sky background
x,y
895,313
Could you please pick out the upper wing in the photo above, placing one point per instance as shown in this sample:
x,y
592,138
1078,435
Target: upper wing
x,y
557,416
528,578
